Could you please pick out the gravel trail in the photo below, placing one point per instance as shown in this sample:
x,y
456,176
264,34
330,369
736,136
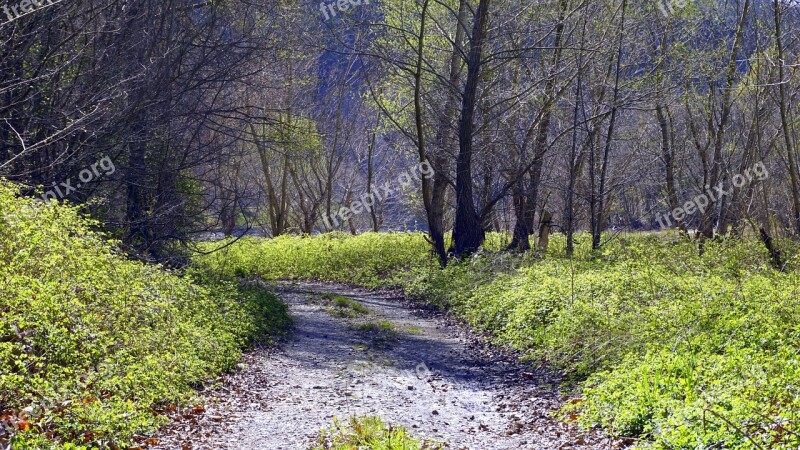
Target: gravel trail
x,y
410,366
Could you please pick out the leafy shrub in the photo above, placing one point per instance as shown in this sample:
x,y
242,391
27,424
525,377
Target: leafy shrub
x,y
92,344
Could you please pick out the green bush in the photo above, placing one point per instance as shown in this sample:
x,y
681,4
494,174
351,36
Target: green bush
x,y
680,350
92,344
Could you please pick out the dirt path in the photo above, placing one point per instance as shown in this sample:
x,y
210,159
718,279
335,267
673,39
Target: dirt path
x,y
406,366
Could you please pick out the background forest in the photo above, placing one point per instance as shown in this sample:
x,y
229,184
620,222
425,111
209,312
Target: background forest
x,y
271,117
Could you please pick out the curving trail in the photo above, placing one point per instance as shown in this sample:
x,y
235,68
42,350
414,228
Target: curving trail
x,y
422,371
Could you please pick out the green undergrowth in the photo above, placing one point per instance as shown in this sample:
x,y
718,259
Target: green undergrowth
x,y
346,307
371,260
370,433
93,345
678,350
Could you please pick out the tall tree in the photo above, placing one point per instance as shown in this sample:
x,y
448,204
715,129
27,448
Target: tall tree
x,y
468,233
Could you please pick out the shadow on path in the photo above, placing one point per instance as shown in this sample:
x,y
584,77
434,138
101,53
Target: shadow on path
x,y
423,373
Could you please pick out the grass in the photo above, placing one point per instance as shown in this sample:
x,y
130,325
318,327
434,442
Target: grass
x,y
370,433
94,345
347,307
382,327
412,329
678,350
381,333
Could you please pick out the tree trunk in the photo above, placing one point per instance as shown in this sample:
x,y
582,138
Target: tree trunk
x,y
135,180
775,254
370,176
544,232
668,155
574,165
599,220
526,220
520,242
444,136
468,234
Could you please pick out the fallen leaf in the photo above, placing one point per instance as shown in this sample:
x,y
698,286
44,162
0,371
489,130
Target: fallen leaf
x,y
24,425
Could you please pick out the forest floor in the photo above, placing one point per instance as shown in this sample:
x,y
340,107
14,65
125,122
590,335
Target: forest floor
x,y
399,361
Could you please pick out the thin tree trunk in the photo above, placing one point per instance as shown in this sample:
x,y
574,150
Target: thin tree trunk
x,y
668,155
599,221
707,218
370,152
569,208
